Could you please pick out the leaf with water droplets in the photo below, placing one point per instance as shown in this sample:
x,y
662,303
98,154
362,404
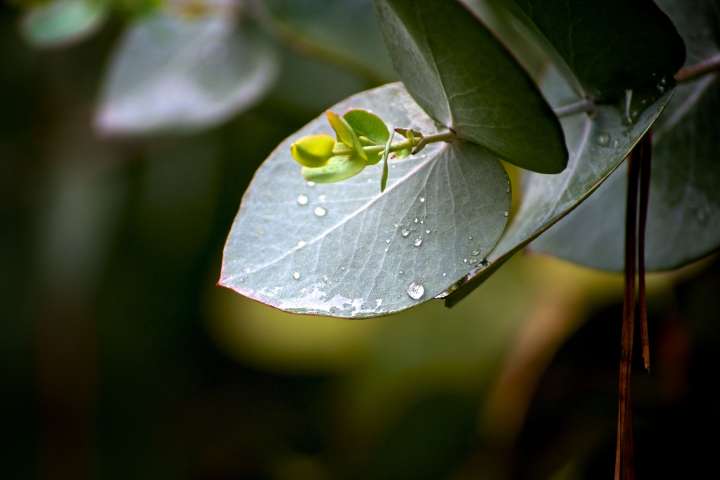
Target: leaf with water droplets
x,y
177,73
547,198
464,78
684,209
464,188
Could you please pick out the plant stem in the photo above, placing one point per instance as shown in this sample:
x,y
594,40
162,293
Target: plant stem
x,y
624,446
645,168
448,136
583,105
690,73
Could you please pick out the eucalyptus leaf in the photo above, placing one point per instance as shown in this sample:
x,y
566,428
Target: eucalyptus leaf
x,y
337,169
465,79
610,45
370,126
180,73
598,144
63,22
347,250
684,209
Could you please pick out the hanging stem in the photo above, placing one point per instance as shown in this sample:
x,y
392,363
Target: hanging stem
x,y
645,169
704,67
624,447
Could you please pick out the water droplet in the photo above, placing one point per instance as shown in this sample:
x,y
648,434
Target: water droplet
x,y
616,143
418,242
322,198
301,244
296,275
310,184
416,220
422,222
465,260
506,213
400,273
320,212
386,249
422,199
405,232
603,139
427,232
475,252
302,200
387,240
415,290
444,274
470,237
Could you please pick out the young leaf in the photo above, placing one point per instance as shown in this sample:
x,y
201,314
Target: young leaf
x,y
313,151
684,209
346,134
63,22
460,74
369,126
598,144
337,169
178,73
347,250
385,167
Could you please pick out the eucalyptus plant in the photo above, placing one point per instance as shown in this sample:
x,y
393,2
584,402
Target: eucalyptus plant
x,y
560,93
509,129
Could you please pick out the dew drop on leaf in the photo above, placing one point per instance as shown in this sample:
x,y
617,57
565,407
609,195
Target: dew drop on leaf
x,y
405,232
296,275
418,242
415,290
320,212
603,139
302,200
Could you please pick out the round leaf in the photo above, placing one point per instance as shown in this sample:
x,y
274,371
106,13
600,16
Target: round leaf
x,y
684,209
344,249
598,144
464,78
172,72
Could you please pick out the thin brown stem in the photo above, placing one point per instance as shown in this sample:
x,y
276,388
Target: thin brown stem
x,y
691,72
623,451
645,169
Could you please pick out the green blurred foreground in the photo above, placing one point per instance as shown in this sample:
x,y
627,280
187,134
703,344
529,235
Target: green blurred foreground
x,y
121,358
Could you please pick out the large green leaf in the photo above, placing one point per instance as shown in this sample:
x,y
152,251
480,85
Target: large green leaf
x,y
173,72
460,74
684,211
597,143
610,45
62,22
348,250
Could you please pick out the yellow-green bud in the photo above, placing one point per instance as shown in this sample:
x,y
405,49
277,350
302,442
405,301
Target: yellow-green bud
x,y
313,151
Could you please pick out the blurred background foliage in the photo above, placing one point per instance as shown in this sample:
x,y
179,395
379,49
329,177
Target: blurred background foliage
x,y
121,358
